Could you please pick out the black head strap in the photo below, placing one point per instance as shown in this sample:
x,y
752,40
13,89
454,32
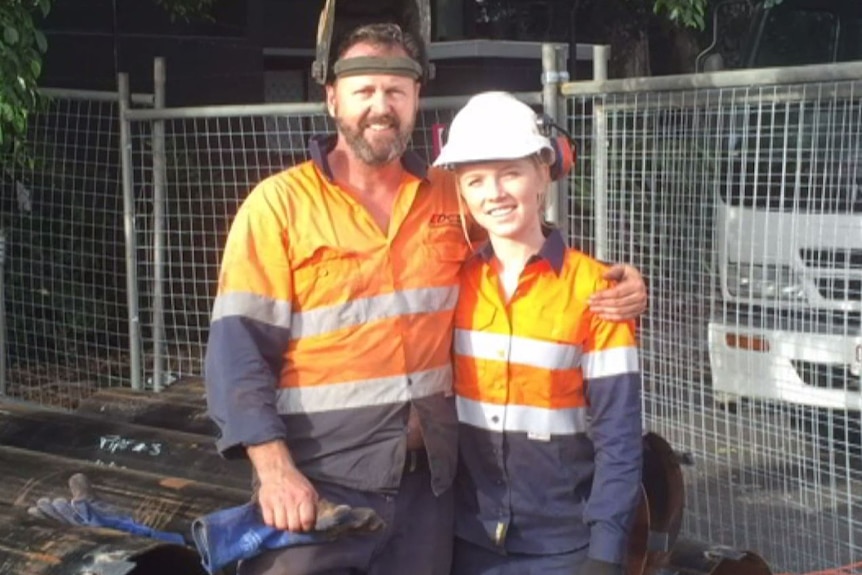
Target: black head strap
x,y
390,65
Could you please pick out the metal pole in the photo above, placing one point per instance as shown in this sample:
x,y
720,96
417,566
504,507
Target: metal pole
x,y
600,155
129,229
552,77
3,312
601,55
159,178
563,188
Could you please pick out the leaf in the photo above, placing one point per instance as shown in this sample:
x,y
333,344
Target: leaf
x,y
10,35
41,41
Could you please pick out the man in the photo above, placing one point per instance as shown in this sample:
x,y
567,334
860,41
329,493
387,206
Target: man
x,y
328,362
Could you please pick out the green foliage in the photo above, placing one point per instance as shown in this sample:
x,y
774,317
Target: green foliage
x,y
690,13
21,50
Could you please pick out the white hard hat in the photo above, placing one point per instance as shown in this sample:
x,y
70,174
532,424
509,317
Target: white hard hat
x,y
493,126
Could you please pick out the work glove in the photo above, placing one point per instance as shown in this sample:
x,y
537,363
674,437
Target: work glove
x,y
236,533
86,510
596,567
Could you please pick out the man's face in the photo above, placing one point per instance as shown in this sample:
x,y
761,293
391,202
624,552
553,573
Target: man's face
x,y
374,113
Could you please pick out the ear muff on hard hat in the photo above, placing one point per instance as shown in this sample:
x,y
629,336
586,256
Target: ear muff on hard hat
x,y
564,157
565,151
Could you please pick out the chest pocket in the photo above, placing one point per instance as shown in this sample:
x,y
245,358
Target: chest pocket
x,y
326,276
562,312
557,324
446,244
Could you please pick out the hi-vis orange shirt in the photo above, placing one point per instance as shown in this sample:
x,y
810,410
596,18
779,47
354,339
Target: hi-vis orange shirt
x,y
325,329
549,401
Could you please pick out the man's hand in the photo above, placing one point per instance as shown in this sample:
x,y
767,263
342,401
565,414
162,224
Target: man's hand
x,y
287,499
626,300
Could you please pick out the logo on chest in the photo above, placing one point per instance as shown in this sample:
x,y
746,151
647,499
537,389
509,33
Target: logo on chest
x,y
443,220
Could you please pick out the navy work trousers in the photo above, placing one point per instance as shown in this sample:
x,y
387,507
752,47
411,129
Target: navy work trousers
x,y
470,559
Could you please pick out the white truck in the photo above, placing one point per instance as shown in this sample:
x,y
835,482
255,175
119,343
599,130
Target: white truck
x,y
789,222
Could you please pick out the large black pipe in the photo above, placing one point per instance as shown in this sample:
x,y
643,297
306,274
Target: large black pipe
x,y
167,503
29,546
101,440
182,412
190,389
690,557
665,491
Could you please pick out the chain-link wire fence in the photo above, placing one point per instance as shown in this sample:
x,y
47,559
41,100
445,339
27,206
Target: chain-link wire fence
x,y
211,165
742,207
214,158
64,271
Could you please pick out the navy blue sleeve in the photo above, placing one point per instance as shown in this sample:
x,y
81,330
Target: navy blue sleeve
x,y
614,395
242,364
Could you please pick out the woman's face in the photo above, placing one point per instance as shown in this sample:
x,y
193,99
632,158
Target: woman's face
x,y
505,197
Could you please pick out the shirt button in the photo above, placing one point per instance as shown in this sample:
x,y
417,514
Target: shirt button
x,y
501,354
409,381
495,419
323,273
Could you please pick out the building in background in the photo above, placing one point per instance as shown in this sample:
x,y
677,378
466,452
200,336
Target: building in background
x,y
254,51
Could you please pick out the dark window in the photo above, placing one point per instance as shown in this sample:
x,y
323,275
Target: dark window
x,y
850,39
795,37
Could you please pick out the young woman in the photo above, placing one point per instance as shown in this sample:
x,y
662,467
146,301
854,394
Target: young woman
x,y
548,394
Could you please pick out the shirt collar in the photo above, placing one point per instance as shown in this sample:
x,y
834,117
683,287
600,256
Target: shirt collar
x,y
321,144
553,250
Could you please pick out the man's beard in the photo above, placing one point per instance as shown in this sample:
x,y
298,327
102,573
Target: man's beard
x,y
380,153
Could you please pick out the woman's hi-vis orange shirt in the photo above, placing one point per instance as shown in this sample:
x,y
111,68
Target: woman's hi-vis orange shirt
x,y
325,329
549,402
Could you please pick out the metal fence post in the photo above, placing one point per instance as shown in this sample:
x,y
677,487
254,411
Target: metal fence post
x,y
159,240
132,297
600,155
554,73
3,349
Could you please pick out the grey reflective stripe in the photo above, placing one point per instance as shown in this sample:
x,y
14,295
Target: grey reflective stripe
x,y
610,362
516,349
365,310
538,422
253,306
364,393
